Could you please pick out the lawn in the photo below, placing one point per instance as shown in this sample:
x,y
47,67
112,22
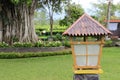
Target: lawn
x,y
56,67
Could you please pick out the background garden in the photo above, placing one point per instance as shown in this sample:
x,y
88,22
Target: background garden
x,y
17,30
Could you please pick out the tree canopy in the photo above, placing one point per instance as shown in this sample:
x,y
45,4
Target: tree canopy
x,y
100,10
51,6
73,12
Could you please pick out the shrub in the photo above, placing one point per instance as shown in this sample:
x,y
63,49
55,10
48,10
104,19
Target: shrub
x,y
66,43
53,44
58,37
50,44
39,44
108,43
58,43
27,55
27,44
3,45
19,44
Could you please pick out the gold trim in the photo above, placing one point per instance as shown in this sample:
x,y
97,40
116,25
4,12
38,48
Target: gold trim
x,y
99,71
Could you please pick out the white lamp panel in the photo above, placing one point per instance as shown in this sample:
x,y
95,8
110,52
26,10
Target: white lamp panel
x,y
81,60
93,49
80,49
92,60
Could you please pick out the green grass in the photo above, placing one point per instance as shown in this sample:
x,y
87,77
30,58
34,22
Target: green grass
x,y
56,67
111,64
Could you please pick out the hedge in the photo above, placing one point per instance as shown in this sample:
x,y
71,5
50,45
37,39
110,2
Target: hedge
x,y
14,55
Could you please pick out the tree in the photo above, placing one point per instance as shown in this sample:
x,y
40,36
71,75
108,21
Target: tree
x,y
17,20
52,6
40,17
118,9
73,12
100,10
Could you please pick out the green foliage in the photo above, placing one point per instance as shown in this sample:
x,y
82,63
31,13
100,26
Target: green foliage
x,y
29,54
53,44
118,8
15,1
3,45
58,37
73,12
28,2
27,44
19,44
39,44
99,10
66,43
108,43
47,28
52,6
57,29
40,18
58,43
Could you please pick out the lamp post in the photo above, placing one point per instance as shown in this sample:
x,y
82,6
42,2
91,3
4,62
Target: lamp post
x,y
87,39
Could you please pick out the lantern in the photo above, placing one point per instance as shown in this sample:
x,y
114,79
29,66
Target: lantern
x,y
86,38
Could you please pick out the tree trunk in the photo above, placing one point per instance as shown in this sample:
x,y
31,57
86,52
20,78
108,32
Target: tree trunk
x,y
51,26
51,20
18,21
1,30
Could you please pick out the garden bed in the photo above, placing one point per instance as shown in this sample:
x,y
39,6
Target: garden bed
x,y
32,49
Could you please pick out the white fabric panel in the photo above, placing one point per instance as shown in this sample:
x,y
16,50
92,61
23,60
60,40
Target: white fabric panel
x,y
93,49
92,60
81,60
112,26
80,49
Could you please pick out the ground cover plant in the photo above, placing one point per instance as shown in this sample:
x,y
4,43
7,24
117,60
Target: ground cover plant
x,y
56,67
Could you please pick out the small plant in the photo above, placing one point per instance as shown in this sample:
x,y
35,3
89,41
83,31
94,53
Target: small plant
x,y
27,44
53,44
39,44
50,44
66,43
108,43
58,43
58,37
3,45
17,44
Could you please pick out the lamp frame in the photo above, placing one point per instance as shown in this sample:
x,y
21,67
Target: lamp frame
x,y
86,42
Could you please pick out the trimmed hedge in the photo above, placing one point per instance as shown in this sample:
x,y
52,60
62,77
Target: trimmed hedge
x,y
14,55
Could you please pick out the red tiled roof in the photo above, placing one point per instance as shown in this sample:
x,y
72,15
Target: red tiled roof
x,y
116,21
86,25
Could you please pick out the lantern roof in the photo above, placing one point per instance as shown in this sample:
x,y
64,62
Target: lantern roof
x,y
86,26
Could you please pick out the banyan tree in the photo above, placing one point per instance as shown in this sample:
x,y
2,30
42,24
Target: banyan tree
x,y
17,20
